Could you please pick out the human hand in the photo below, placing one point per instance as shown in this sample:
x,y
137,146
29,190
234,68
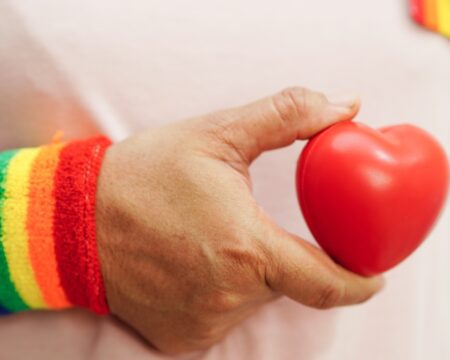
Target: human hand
x,y
185,250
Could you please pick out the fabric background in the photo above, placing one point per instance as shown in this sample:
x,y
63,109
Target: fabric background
x,y
117,67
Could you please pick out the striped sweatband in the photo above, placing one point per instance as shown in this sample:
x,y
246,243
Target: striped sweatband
x,y
48,250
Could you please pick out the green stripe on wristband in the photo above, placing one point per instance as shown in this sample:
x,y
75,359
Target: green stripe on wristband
x,y
9,297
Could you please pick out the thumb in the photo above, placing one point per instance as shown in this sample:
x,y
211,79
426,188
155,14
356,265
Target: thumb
x,y
307,275
279,120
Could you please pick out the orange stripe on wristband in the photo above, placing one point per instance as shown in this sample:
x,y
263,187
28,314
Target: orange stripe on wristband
x,y
40,226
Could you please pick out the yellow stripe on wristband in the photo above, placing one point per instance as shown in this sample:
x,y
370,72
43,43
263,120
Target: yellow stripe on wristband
x,y
15,236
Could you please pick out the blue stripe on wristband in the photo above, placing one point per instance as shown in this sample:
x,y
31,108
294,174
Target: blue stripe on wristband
x,y
3,311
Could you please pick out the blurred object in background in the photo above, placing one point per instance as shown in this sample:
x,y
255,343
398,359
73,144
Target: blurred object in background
x,y
433,14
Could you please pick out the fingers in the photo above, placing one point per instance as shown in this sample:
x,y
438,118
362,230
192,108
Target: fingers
x,y
306,274
277,121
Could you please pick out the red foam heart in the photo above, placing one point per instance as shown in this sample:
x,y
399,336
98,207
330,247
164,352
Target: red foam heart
x,y
370,197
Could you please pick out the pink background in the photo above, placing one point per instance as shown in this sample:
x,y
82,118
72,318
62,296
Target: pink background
x,y
143,63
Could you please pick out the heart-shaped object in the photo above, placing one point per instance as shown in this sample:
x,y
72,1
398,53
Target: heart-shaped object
x,y
370,197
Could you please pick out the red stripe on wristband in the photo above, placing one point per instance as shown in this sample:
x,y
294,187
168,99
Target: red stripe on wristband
x,y
74,223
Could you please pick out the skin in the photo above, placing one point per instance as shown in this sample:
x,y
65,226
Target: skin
x,y
186,252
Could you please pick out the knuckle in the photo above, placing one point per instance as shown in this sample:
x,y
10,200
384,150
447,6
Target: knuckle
x,y
297,103
173,348
330,295
218,302
248,258
222,130
291,103
206,335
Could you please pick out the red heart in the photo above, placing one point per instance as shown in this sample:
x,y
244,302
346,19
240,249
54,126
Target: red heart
x,y
370,197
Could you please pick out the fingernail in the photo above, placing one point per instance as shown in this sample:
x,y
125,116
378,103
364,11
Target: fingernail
x,y
344,101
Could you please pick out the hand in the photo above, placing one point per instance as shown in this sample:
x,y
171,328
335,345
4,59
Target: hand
x,y
186,252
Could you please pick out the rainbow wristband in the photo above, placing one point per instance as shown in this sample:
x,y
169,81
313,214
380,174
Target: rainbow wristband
x,y
48,253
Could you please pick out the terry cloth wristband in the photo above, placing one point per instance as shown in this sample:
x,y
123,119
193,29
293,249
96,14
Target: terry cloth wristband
x,y
48,250
433,14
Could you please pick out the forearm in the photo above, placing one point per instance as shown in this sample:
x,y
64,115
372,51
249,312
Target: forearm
x,y
48,255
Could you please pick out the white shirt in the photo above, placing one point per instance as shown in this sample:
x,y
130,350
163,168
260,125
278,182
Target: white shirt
x,y
144,63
